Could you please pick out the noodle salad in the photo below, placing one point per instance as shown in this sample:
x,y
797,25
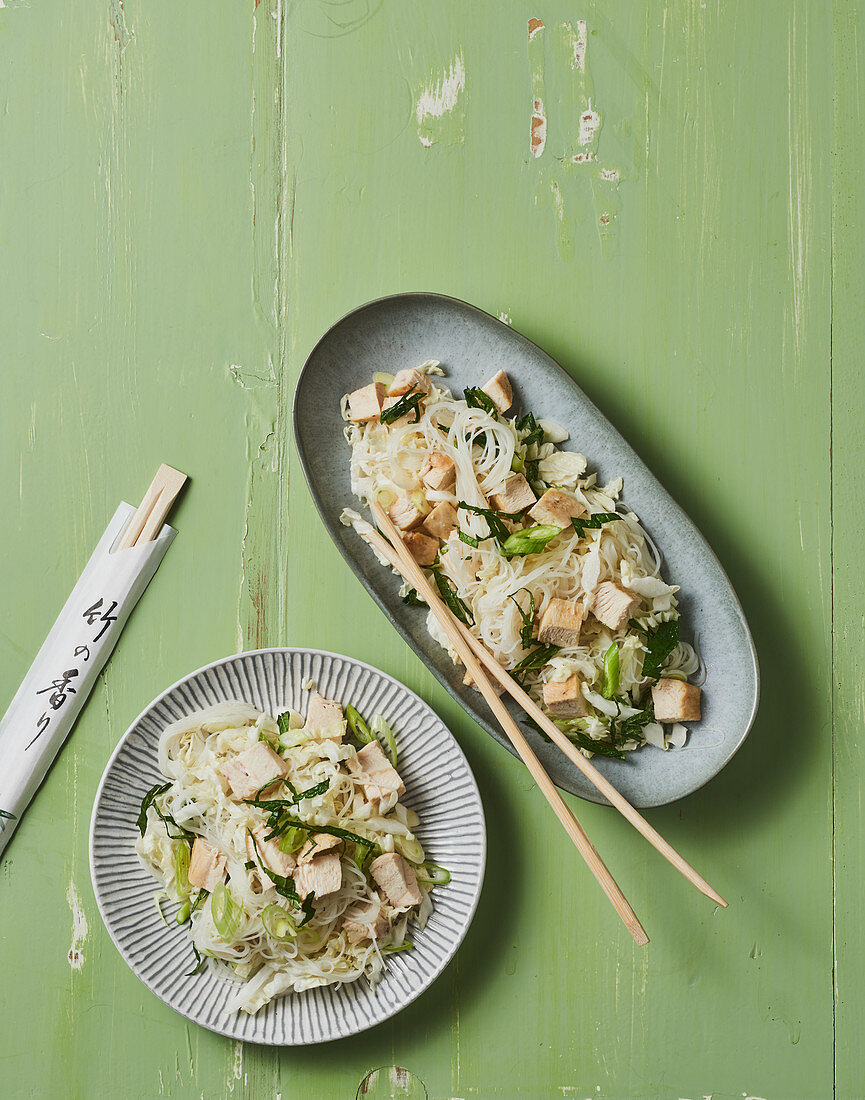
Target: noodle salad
x,y
547,568
294,862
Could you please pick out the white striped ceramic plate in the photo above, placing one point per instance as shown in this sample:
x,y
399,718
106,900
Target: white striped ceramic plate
x,y
440,789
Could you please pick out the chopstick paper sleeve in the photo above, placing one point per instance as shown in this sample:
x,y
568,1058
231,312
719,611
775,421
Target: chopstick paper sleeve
x,y
61,678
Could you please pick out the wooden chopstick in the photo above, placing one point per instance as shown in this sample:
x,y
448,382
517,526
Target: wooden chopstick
x,y
147,521
561,741
413,573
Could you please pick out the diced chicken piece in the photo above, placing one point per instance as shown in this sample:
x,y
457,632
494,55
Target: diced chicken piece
x,y
251,770
325,720
499,389
378,776
405,513
513,495
321,876
268,855
397,879
365,404
423,548
676,700
363,921
441,520
317,845
556,508
612,605
438,471
405,379
561,623
565,699
206,865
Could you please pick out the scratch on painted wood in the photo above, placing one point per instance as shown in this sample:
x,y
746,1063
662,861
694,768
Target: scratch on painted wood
x,y
799,177
79,927
538,127
440,106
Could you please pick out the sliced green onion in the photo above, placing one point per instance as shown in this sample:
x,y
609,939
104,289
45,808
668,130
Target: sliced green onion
x,y
357,725
392,949
611,672
674,675
410,848
292,841
383,377
277,923
517,464
433,874
181,868
381,729
199,901
531,540
183,913
225,912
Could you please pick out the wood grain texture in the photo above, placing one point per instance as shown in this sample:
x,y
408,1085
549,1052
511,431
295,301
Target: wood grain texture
x,y
188,198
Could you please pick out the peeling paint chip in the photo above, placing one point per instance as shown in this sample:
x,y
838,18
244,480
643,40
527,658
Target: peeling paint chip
x,y
579,43
535,25
79,927
589,122
539,129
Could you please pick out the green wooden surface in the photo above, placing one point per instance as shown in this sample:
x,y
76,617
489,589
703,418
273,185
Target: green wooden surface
x,y
189,194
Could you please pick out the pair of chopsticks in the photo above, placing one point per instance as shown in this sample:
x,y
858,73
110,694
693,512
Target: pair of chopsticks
x,y
474,654
150,514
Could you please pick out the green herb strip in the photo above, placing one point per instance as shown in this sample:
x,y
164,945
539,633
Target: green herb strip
x,y
408,402
413,599
199,960
536,659
660,643
285,887
593,523
283,721
475,398
536,432
167,820
448,593
277,804
527,618
8,816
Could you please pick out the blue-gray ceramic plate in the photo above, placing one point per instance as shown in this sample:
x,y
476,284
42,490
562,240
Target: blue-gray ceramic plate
x,y
403,331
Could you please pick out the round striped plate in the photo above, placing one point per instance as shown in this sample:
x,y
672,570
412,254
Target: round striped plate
x,y
440,789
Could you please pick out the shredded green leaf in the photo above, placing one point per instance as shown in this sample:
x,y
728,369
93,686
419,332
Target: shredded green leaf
x,y
277,804
475,398
182,915
536,432
408,402
593,523
660,643
536,659
278,923
432,873
413,599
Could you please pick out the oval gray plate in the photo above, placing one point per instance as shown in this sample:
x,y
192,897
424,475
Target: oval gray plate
x,y
440,788
403,331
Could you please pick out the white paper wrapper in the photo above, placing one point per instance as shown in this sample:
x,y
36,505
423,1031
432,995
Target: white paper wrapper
x,y
61,678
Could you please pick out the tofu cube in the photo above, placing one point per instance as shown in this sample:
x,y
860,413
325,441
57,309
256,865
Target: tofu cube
x,y
251,770
405,513
396,878
321,876
206,865
423,548
438,471
565,699
375,772
325,720
266,854
556,508
513,495
676,700
561,623
612,605
404,380
365,404
364,921
499,389
441,520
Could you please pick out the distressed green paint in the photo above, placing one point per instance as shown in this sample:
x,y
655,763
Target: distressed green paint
x,y
188,197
